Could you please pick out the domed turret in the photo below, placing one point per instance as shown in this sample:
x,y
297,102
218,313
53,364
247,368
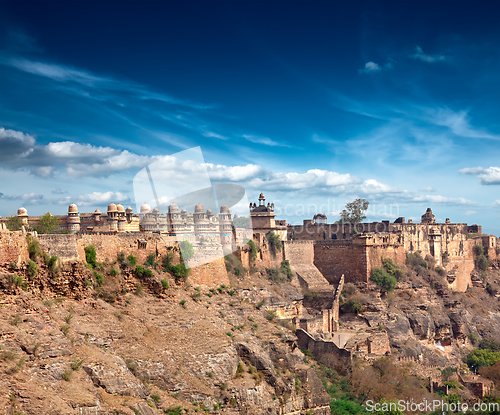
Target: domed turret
x,y
183,211
112,208
145,208
199,208
224,209
209,212
120,208
73,208
156,211
173,208
22,212
129,210
97,212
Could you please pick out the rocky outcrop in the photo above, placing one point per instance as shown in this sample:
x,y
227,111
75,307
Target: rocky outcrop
x,y
115,378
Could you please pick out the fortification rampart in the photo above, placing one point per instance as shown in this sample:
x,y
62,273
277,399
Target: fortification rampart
x,y
108,245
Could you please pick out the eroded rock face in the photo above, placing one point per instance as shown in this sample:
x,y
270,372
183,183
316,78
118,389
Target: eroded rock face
x,y
422,324
115,378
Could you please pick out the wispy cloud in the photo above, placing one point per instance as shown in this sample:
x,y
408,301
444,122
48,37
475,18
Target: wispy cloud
x,y
89,85
458,122
95,199
490,175
264,140
370,67
424,57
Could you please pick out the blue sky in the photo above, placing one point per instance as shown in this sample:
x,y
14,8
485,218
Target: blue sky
x,y
314,103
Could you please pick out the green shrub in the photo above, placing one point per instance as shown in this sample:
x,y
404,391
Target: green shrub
x,y
482,263
18,281
151,261
166,261
148,273
384,280
180,271
174,410
351,306
285,269
164,284
90,255
440,271
99,278
132,260
139,271
253,251
274,241
113,272
66,375
490,344
34,250
32,269
393,269
478,250
121,258
415,260
51,262
275,275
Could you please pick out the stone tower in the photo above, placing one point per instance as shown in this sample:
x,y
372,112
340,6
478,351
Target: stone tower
x,y
73,219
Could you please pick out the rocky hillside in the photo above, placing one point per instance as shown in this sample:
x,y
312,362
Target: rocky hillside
x,y
108,339
73,345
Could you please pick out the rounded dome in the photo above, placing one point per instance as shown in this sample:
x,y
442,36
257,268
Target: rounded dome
x,y
199,208
209,212
173,208
261,196
155,210
111,207
183,211
129,210
22,212
224,209
73,208
120,208
145,208
97,212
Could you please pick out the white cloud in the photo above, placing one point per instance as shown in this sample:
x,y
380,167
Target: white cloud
x,y
234,173
211,134
370,67
95,198
427,189
470,212
496,203
86,84
30,198
441,199
420,55
264,140
458,122
491,175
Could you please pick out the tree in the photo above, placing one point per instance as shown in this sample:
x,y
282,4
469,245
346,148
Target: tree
x,y
48,224
187,250
14,223
354,212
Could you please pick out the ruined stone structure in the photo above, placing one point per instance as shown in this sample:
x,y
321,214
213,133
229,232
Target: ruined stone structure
x,y
354,250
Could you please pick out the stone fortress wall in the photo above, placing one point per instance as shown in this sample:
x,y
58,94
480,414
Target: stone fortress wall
x,y
70,248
